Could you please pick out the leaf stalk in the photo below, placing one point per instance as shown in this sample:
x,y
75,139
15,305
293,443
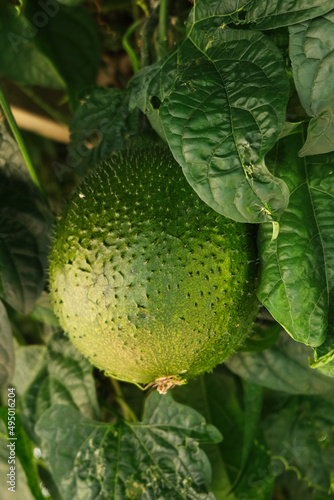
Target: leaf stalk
x,y
19,139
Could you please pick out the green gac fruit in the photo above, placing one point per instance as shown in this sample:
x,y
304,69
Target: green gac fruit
x,y
152,285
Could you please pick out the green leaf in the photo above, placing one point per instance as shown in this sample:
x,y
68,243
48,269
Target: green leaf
x,y
150,85
290,128
264,334
276,13
312,57
223,115
197,394
31,359
100,125
43,311
284,367
209,15
153,83
22,277
324,354
69,38
7,356
252,411
24,454
12,164
301,437
25,225
258,482
296,284
320,134
55,374
241,458
158,457
20,59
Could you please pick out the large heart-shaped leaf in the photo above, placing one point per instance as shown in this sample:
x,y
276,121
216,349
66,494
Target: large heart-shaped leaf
x,y
223,115
156,458
312,57
297,268
276,13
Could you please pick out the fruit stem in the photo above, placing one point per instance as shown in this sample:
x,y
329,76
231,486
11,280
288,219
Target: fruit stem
x,y
164,383
19,139
127,412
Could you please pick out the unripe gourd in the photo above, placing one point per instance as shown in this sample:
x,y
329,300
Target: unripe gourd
x,y
151,284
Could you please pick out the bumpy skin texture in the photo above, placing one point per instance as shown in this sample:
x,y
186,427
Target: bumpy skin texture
x,y
146,279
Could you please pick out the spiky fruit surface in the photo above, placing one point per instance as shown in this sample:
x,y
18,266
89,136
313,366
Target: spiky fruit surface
x,y
148,281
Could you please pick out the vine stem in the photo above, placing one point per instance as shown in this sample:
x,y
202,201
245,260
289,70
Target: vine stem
x,y
19,139
163,27
126,44
149,26
126,410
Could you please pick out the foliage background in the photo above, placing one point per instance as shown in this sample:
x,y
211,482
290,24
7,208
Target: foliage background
x,y
260,426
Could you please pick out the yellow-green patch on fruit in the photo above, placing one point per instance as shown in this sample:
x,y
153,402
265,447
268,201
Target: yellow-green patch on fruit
x,y
151,285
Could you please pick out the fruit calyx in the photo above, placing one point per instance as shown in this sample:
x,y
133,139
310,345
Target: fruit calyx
x,y
164,383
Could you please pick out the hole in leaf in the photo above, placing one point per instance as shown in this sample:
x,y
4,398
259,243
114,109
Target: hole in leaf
x,y
93,140
242,15
156,103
